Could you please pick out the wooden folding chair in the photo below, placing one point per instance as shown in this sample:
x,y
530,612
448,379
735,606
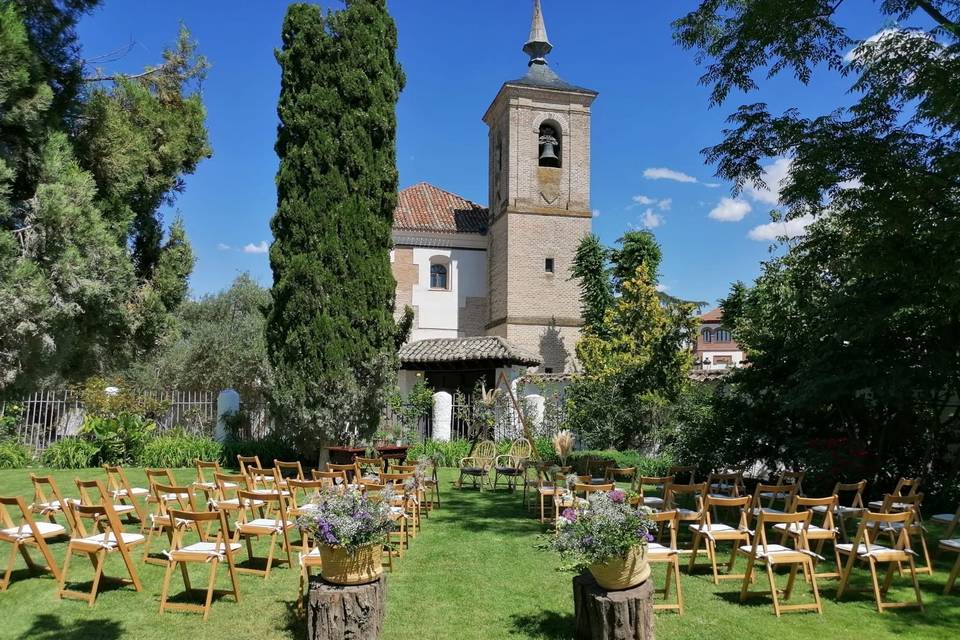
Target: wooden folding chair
x,y
648,486
203,482
374,491
111,539
405,499
203,552
820,534
249,528
865,550
776,555
229,486
667,554
551,488
349,470
951,546
690,494
713,532
950,520
23,533
915,528
287,470
248,461
432,484
167,497
612,474
123,492
793,479
683,474
368,467
850,511
92,493
726,484
330,478
49,505
155,476
905,487
763,490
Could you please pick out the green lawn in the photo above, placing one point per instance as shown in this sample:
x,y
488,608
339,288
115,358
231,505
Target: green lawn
x,y
474,572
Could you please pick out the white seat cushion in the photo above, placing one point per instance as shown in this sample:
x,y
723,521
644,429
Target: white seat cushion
x,y
270,492
175,496
711,528
686,513
235,502
121,509
652,501
655,549
134,491
54,505
266,523
862,549
796,527
209,547
776,495
111,539
758,510
771,550
899,506
46,529
945,518
952,544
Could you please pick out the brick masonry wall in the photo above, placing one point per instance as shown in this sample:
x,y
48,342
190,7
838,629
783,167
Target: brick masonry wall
x,y
407,274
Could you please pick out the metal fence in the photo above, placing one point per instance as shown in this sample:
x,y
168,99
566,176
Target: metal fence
x,y
45,416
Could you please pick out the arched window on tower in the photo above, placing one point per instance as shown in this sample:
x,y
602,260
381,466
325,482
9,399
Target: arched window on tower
x,y
550,152
706,335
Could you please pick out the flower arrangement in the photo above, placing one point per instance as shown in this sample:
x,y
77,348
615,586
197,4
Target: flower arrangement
x,y
602,528
347,518
563,445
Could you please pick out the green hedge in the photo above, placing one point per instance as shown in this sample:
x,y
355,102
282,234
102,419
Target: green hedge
x,y
179,450
70,453
269,449
594,462
14,454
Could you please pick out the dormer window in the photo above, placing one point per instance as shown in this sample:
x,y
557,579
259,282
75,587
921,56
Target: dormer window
x,y
439,277
550,145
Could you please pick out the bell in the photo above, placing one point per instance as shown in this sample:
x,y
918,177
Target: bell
x,y
548,157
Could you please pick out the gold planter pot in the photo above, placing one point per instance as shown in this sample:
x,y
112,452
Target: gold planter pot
x,y
339,566
623,573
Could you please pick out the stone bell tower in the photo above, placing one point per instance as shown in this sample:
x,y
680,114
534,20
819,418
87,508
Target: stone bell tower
x,y
539,197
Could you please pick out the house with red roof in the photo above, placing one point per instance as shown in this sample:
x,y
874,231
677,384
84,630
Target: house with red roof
x,y
715,348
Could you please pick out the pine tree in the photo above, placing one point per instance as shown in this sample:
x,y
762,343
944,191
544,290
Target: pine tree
x,y
596,294
330,331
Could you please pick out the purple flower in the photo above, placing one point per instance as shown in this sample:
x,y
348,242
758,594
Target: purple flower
x,y
587,541
649,537
569,514
617,496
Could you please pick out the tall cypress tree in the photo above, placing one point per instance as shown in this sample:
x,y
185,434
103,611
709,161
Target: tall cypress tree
x,y
330,332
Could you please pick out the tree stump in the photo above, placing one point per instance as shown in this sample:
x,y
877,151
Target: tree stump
x,y
338,612
612,615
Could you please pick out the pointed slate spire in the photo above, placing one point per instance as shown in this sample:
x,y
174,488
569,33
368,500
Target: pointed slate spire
x,y
538,45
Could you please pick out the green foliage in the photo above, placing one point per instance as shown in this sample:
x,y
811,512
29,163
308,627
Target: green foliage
x,y
14,454
177,448
330,332
444,454
217,342
273,447
87,279
408,411
852,329
594,462
636,365
121,399
119,439
596,293
10,418
70,453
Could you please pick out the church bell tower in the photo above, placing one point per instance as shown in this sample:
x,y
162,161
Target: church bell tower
x,y
539,195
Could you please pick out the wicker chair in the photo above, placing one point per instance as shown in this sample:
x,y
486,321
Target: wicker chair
x,y
479,464
512,464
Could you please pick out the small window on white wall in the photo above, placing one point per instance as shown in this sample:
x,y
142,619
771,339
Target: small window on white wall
x,y
548,265
439,276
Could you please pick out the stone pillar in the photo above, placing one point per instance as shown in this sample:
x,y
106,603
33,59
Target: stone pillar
x,y
228,402
442,415
533,408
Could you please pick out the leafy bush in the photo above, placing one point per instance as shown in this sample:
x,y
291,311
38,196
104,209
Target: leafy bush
x,y
271,448
14,454
70,453
120,439
594,462
179,449
121,399
444,454
543,447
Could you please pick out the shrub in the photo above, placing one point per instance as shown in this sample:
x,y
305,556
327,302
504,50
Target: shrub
x,y
271,448
594,462
69,453
120,439
14,454
444,454
179,449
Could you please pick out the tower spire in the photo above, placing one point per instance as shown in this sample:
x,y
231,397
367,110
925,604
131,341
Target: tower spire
x,y
538,45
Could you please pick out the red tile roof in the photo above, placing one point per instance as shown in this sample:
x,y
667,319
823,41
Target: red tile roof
x,y
715,315
424,207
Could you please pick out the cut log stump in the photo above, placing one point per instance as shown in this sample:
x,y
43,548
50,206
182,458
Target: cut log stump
x,y
336,612
612,615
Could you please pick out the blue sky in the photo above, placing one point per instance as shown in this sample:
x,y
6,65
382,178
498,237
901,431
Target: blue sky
x,y
649,123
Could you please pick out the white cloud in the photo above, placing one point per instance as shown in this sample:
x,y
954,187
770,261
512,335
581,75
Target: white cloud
x,y
596,213
775,230
863,50
662,288
853,183
662,173
651,220
644,200
730,210
223,247
665,204
711,185
262,247
773,176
